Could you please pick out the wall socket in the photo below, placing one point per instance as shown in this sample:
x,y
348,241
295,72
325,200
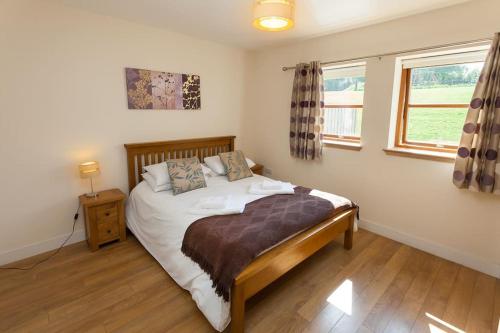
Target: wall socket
x,y
268,172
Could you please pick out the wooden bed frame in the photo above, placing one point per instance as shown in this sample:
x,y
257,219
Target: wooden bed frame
x,y
271,265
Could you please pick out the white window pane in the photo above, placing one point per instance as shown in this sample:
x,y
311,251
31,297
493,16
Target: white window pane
x,y
345,91
343,71
447,59
343,121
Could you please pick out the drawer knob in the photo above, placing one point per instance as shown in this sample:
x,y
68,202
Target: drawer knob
x,y
107,213
109,231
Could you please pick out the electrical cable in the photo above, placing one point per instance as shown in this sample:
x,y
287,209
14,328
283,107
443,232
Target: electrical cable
x,y
75,219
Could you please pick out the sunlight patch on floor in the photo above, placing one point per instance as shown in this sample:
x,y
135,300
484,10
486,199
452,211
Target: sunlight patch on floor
x,y
341,298
435,329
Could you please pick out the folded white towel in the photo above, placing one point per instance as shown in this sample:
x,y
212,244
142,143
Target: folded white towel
x,y
213,202
256,188
271,185
234,205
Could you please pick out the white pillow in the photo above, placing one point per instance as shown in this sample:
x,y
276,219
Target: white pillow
x,y
152,183
250,163
159,172
214,163
207,172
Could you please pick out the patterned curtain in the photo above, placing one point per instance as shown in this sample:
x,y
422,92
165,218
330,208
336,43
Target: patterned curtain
x,y
477,164
307,113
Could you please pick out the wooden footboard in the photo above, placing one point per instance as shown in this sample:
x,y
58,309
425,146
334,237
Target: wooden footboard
x,y
276,262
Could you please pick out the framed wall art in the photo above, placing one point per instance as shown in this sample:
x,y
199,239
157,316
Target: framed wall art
x,y
154,90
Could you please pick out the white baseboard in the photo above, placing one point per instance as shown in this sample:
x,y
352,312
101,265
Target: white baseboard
x,y
40,247
442,251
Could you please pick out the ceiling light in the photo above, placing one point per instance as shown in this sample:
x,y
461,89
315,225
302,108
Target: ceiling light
x,y
273,15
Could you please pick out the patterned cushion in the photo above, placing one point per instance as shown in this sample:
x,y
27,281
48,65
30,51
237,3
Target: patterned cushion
x,y
236,165
185,175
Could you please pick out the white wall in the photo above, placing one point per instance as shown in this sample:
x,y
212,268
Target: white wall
x,y
407,199
63,101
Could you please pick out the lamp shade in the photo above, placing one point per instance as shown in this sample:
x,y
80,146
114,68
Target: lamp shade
x,y
89,169
273,15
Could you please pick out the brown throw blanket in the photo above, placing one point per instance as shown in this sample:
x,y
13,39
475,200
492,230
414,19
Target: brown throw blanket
x,y
224,245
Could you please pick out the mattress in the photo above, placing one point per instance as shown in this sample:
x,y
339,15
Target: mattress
x,y
159,221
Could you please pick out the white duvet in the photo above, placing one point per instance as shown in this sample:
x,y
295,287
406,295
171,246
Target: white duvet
x,y
159,221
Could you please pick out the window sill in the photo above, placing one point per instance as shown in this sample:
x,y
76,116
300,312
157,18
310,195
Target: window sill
x,y
343,144
422,154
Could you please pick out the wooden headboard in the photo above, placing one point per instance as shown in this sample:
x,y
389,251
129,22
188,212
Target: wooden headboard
x,y
142,154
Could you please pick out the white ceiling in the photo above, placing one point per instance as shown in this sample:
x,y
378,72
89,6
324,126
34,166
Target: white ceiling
x,y
229,21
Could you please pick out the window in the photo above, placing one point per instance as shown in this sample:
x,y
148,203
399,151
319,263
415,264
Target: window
x,y
434,99
344,91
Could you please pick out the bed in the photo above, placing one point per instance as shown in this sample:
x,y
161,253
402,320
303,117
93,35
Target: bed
x,y
159,221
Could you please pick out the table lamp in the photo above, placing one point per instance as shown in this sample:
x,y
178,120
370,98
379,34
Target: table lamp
x,y
90,170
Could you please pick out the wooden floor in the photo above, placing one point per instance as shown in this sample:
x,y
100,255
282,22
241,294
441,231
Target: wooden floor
x,y
378,286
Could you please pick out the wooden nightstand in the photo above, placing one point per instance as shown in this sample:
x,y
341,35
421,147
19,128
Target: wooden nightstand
x,y
258,169
104,217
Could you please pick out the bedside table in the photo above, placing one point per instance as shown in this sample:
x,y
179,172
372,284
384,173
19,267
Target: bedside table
x,y
104,217
258,169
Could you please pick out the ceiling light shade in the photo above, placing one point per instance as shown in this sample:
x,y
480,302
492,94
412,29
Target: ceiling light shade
x,y
274,15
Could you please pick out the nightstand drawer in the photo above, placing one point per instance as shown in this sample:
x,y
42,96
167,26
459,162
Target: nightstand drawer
x,y
107,231
105,213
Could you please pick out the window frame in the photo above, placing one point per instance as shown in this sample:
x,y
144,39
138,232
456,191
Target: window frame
x,y
404,105
345,138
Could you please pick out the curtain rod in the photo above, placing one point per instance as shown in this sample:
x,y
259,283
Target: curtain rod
x,y
475,41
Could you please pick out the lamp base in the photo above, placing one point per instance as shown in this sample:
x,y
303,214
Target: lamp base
x,y
92,195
